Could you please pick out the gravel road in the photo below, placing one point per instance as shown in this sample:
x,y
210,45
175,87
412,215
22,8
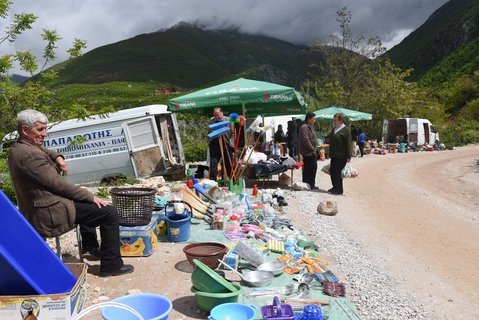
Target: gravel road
x,y
405,240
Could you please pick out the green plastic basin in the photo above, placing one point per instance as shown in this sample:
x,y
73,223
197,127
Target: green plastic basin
x,y
207,300
206,279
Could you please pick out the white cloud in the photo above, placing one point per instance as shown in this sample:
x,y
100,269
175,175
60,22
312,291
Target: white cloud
x,y
101,22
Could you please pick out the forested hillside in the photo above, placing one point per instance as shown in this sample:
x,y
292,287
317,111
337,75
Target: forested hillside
x,y
189,57
445,47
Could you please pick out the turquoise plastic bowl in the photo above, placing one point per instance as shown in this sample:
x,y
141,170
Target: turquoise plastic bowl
x,y
233,311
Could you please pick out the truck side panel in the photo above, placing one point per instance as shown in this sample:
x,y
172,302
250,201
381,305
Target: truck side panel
x,y
103,152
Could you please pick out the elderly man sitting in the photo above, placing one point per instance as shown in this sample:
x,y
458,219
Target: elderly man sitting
x,y
51,204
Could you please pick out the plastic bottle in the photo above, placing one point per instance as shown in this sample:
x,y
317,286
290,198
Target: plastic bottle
x,y
178,203
233,223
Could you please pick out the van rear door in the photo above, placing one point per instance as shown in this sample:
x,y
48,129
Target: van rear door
x,y
413,132
144,145
385,131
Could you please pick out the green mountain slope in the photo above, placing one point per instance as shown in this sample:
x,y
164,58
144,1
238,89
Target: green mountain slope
x,y
448,30
189,57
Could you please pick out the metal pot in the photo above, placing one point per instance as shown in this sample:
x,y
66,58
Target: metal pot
x,y
257,278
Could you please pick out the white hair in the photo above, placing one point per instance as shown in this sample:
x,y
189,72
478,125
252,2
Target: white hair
x,y
29,117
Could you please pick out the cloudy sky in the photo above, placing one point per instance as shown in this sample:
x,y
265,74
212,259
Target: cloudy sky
x,y
101,22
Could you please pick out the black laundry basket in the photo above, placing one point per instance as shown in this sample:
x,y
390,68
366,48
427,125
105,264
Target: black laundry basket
x,y
134,205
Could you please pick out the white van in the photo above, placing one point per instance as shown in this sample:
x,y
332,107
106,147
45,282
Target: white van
x,y
414,130
138,142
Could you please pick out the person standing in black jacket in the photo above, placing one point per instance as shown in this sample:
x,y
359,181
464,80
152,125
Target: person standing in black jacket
x,y
292,138
307,149
339,152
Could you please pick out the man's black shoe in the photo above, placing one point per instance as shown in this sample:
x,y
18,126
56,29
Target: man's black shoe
x,y
314,188
91,254
332,191
127,268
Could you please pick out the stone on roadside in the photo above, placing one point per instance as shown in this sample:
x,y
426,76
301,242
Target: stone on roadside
x,y
133,291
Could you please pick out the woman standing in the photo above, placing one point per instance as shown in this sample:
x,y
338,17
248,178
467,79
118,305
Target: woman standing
x,y
339,152
307,148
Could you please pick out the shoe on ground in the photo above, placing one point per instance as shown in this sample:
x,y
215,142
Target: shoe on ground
x,y
314,188
91,254
332,191
127,268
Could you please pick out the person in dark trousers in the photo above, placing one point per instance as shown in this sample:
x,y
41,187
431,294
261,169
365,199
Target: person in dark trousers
x,y
53,205
307,149
339,152
279,135
361,141
354,139
215,150
292,138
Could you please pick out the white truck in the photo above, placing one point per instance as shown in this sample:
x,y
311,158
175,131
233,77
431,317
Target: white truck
x,y
138,142
413,130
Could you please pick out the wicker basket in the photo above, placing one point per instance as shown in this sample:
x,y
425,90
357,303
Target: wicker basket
x,y
206,252
134,205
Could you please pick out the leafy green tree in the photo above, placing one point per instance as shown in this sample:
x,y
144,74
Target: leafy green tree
x,y
354,74
32,94
460,98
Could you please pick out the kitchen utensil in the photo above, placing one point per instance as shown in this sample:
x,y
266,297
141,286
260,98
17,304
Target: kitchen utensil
x,y
276,267
258,278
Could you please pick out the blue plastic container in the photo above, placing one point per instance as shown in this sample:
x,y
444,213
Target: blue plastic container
x,y
149,306
178,224
178,227
28,265
233,311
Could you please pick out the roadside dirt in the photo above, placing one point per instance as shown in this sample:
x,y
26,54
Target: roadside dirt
x,y
417,214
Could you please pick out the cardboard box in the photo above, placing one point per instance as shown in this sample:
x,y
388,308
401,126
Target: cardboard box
x,y
160,225
139,241
61,306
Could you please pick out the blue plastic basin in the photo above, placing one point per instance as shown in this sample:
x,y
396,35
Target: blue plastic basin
x,y
150,306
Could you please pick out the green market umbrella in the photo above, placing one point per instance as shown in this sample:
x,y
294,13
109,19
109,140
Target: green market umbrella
x,y
243,96
328,113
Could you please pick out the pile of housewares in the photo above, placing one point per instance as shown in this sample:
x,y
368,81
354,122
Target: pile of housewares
x,y
280,271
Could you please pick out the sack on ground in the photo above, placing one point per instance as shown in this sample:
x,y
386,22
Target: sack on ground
x,y
325,169
349,172
284,180
329,208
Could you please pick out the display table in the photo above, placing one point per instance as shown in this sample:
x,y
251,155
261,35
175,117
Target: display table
x,y
264,171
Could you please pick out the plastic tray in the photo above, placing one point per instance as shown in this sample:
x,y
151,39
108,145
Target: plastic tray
x,y
277,311
249,253
28,265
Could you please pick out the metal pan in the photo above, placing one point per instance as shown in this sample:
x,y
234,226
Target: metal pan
x,y
258,278
276,267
